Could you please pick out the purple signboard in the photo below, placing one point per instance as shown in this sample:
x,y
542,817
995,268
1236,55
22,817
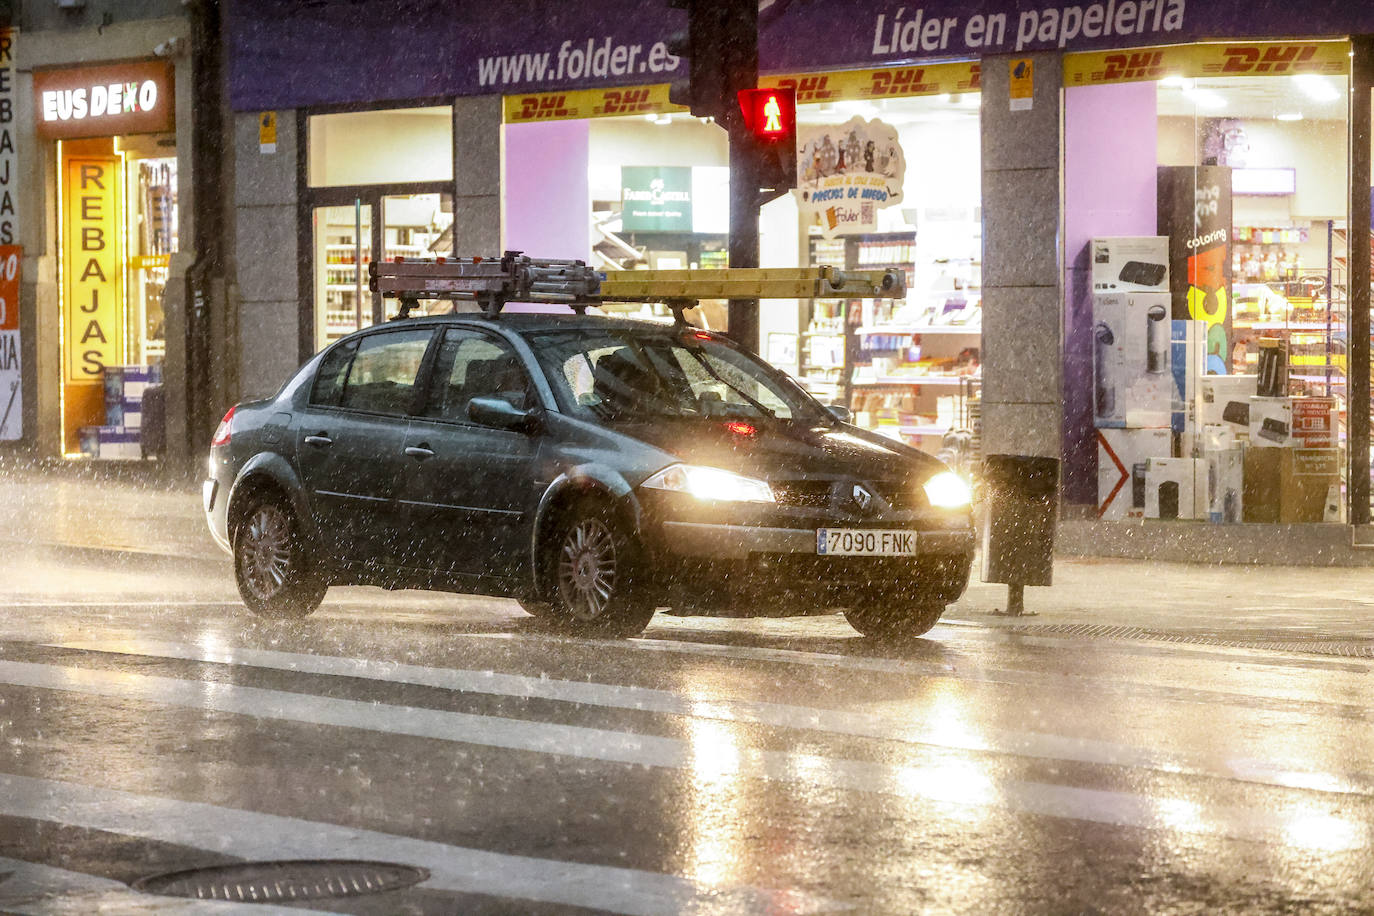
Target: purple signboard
x,y
294,53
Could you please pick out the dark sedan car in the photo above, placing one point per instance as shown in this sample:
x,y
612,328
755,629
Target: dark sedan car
x,y
595,469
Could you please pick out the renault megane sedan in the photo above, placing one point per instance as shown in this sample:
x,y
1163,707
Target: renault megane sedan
x,y
595,469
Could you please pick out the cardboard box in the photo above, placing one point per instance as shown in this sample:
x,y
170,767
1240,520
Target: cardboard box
x,y
1173,489
118,443
1305,477
1121,458
1315,422
1225,484
1271,422
1129,264
1289,485
1225,401
1187,356
1132,384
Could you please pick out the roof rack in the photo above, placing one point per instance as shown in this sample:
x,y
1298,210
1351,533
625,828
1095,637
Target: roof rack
x,y
516,277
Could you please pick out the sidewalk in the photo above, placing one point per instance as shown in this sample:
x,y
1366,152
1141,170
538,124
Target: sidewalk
x,y
132,518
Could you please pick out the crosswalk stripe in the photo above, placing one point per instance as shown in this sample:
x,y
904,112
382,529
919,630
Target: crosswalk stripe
x,y
253,835
858,724
28,889
910,781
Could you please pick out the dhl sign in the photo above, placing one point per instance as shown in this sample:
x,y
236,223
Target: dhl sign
x,y
846,85
883,83
1331,58
588,103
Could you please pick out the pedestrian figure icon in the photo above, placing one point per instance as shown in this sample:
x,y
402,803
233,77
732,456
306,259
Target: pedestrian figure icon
x,y
773,112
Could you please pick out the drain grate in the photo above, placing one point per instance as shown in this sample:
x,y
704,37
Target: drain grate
x,y
1317,645
279,882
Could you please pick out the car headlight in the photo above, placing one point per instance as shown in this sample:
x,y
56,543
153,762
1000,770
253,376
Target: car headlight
x,y
711,484
947,490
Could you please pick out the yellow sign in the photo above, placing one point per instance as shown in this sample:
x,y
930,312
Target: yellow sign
x,y
845,85
588,103
150,261
1021,88
1232,58
882,83
267,132
92,268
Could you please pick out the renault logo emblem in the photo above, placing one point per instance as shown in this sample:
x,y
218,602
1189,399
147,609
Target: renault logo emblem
x,y
862,498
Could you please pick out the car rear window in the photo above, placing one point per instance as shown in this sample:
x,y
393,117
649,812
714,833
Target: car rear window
x,y
382,375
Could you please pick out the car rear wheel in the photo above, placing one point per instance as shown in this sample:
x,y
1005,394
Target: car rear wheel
x,y
893,621
594,581
271,566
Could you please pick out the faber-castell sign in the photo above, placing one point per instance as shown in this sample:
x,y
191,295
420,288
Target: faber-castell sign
x,y
104,101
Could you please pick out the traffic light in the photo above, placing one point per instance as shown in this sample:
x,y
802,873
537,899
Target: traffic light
x,y
770,119
720,49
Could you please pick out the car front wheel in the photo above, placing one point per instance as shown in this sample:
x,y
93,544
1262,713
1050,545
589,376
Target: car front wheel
x,y
271,567
594,576
893,621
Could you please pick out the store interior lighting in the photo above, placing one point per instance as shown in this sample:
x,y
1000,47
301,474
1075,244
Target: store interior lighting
x,y
1317,88
1206,99
1288,116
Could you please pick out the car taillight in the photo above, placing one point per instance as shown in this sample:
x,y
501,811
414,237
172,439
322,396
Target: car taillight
x,y
221,436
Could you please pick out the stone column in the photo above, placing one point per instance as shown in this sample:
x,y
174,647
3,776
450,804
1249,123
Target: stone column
x,y
1022,296
477,175
266,267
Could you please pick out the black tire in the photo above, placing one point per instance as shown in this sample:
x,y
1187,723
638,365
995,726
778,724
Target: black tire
x,y
272,569
593,575
893,622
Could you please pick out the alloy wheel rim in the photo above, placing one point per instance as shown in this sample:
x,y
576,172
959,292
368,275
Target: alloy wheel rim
x,y
586,569
266,547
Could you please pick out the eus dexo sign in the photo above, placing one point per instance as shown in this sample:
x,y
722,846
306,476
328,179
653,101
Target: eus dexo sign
x,y
103,101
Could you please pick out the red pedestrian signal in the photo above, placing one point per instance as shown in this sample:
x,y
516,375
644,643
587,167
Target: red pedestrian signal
x,y
770,117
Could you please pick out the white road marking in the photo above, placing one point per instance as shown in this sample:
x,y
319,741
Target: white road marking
x,y
28,889
909,781
255,836
1018,742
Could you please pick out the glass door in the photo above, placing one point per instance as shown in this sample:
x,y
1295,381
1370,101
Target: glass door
x,y
417,226
343,251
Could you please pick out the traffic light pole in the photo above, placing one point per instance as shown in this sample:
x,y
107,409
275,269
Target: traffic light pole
x,y
744,230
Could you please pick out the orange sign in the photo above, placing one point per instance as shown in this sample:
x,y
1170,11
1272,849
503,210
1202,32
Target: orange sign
x,y
9,288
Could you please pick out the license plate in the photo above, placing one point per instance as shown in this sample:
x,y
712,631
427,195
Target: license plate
x,y
865,542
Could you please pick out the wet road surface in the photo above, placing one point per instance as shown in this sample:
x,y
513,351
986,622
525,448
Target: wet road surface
x,y
148,724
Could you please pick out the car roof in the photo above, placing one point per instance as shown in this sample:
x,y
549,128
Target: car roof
x,y
532,322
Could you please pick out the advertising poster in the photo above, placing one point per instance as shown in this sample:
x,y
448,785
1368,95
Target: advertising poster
x,y
656,198
1195,213
846,173
11,384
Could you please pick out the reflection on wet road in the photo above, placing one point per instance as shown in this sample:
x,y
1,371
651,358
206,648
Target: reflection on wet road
x,y
710,766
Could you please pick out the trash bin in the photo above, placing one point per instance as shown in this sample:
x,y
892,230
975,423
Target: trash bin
x,y
154,432
1021,498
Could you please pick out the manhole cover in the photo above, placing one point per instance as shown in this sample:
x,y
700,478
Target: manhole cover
x,y
275,882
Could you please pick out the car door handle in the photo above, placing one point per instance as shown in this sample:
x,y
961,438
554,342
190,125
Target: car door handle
x,y
319,441
420,452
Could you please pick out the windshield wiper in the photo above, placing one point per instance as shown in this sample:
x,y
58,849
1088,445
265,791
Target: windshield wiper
x,y
705,364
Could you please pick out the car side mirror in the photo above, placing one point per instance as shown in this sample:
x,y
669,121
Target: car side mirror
x,y
501,414
843,414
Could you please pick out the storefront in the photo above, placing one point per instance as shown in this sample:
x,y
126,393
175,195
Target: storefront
x,y
648,189
1019,140
112,131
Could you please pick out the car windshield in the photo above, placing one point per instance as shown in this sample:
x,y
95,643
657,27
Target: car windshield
x,y
619,374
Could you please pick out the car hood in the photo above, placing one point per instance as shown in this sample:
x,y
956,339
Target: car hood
x,y
776,450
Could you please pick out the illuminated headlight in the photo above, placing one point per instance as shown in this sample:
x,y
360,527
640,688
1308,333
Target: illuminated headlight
x,y
711,484
948,490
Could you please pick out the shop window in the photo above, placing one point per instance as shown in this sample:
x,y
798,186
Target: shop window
x,y
380,147
1219,203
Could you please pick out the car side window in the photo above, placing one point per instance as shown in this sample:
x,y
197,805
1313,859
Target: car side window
x,y
329,377
473,365
382,376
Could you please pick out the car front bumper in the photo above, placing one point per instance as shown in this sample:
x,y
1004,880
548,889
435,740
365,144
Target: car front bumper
x,y
738,542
